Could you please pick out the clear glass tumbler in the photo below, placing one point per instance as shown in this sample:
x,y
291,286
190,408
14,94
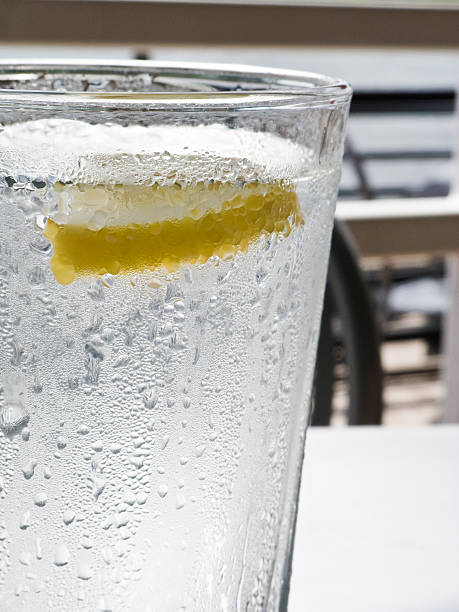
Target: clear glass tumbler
x,y
164,237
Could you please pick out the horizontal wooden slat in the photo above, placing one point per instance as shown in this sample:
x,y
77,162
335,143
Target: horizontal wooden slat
x,y
150,23
391,228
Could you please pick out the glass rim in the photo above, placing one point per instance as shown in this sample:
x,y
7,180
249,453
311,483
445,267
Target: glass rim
x,y
255,87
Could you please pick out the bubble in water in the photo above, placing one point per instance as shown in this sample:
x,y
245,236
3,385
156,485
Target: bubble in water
x,y
13,417
61,555
41,245
36,276
18,353
47,473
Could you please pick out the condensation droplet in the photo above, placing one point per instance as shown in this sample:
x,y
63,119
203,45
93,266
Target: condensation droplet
x,y
38,549
40,499
86,542
25,558
24,523
106,604
84,571
68,517
61,555
180,502
163,490
29,469
98,486
97,446
61,442
200,450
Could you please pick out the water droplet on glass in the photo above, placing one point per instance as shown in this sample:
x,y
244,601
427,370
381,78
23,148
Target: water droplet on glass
x,y
162,490
84,571
25,558
98,486
106,604
61,555
83,429
38,549
180,502
68,517
125,533
61,442
24,523
29,469
97,446
86,542
40,499
200,450
129,497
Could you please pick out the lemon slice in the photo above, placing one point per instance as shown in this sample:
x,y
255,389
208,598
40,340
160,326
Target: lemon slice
x,y
119,229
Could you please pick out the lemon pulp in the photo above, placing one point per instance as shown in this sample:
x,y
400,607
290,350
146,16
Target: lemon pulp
x,y
195,223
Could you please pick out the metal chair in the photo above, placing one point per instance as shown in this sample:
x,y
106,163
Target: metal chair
x,y
348,299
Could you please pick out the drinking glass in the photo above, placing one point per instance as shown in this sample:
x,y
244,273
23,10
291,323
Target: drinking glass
x,y
164,237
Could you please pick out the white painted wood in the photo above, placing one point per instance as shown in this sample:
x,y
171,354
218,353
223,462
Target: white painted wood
x,y
378,521
451,342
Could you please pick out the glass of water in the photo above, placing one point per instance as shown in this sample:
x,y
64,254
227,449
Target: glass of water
x,y
164,236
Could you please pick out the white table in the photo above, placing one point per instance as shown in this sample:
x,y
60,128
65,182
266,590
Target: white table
x,y
378,522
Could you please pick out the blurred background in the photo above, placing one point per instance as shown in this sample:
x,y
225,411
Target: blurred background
x,y
388,350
